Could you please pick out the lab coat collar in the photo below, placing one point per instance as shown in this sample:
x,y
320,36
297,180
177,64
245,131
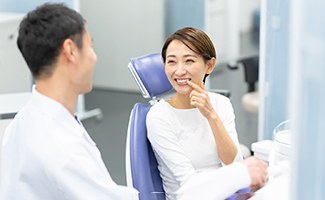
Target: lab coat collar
x,y
59,113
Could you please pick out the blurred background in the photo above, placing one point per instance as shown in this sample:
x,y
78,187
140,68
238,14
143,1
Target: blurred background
x,y
269,57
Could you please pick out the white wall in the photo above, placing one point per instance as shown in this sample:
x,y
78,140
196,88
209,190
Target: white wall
x,y
225,20
122,29
245,13
14,73
222,25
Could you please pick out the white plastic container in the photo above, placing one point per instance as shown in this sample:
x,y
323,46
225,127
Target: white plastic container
x,y
282,143
262,149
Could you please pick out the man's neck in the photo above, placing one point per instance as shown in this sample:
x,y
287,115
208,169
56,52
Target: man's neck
x,y
59,93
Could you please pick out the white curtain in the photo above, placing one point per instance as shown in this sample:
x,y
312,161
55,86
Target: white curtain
x,y
273,67
307,86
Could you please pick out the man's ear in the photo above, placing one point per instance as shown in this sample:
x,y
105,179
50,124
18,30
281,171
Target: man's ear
x,y
211,65
69,50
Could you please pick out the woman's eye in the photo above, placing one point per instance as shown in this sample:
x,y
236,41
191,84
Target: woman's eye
x,y
189,61
171,62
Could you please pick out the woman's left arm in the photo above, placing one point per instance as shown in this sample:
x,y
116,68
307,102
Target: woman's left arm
x,y
226,147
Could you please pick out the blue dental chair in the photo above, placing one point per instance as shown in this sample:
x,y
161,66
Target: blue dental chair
x,y
141,165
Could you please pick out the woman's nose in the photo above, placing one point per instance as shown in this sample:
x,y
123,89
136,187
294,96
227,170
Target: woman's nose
x,y
180,70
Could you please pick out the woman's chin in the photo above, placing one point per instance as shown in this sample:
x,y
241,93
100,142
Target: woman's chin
x,y
183,91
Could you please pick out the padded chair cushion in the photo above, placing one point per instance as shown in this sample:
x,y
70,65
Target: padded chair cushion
x,y
144,167
151,71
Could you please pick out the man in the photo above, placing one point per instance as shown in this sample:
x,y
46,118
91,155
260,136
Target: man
x,y
47,153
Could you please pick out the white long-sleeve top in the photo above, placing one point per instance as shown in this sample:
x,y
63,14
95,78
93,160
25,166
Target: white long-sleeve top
x,y
48,154
185,149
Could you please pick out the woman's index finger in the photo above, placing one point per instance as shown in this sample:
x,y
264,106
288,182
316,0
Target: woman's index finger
x,y
195,86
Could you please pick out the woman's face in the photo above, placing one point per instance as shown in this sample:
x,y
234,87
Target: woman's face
x,y
182,65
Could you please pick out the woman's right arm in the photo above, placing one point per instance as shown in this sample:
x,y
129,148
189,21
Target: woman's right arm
x,y
167,147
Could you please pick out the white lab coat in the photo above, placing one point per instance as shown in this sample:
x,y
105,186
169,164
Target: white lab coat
x,y
48,154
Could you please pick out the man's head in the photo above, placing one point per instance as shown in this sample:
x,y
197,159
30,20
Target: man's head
x,y
42,33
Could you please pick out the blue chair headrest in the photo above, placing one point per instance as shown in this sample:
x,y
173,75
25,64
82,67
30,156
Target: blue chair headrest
x,y
149,73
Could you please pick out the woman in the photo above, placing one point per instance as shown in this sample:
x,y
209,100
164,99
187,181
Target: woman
x,y
193,133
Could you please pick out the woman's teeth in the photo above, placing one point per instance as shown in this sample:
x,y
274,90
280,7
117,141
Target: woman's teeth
x,y
182,80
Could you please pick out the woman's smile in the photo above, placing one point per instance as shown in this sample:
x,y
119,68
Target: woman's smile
x,y
182,81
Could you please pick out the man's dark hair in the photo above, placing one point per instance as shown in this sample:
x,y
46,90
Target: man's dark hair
x,y
42,33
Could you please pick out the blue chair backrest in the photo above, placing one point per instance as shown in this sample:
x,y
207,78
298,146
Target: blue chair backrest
x,y
149,73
